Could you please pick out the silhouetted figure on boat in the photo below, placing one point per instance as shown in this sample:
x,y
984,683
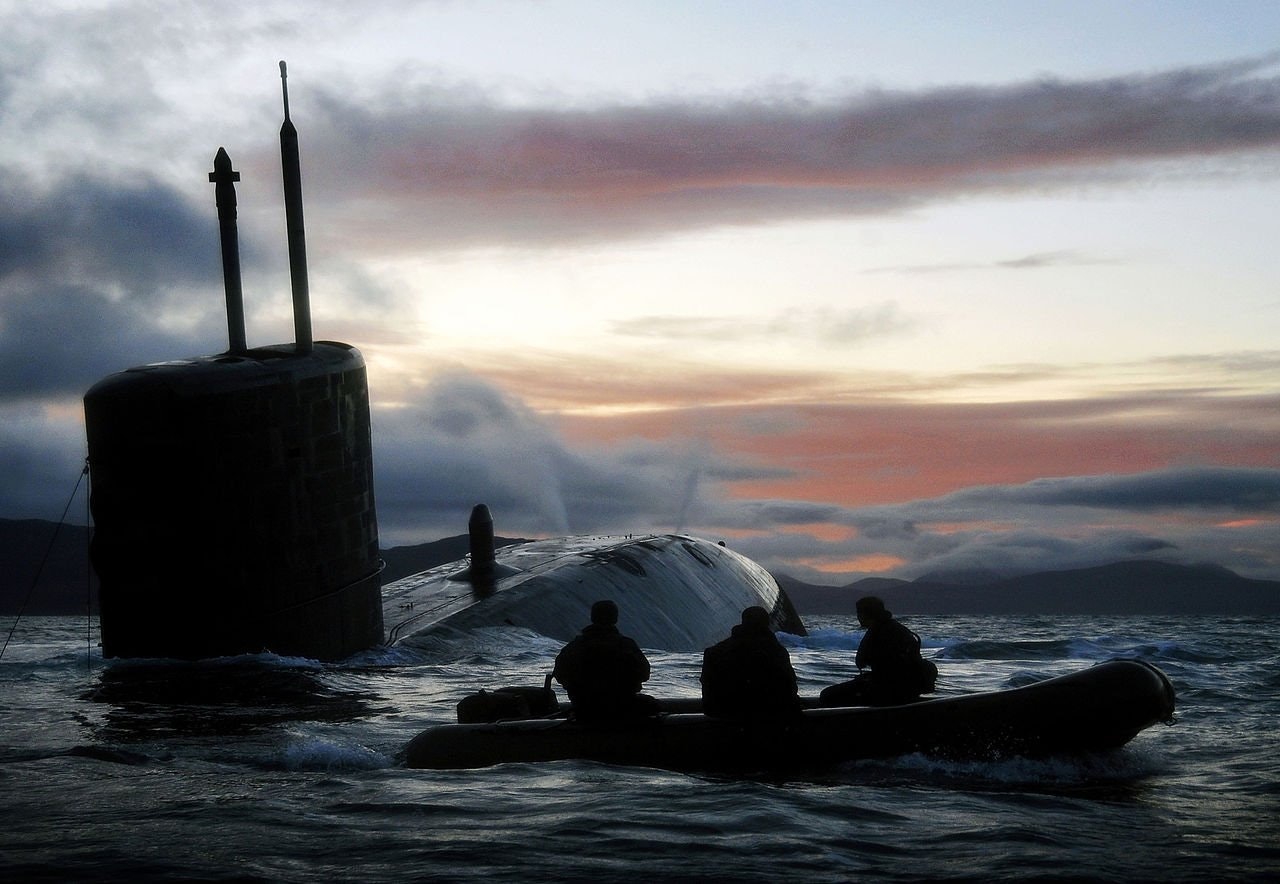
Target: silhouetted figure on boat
x,y
891,670
603,670
748,675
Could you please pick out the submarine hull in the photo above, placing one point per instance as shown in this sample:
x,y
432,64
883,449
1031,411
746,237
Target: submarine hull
x,y
1097,709
673,592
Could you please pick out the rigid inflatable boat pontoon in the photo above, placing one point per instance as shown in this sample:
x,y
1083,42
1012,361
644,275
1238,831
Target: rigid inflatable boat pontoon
x,y
1097,709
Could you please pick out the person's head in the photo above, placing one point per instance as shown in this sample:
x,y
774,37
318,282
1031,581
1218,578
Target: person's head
x,y
604,613
871,609
756,618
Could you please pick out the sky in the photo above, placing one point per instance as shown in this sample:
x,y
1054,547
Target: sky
x,y
860,288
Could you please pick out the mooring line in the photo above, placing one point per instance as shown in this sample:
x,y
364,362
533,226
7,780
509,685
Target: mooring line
x,y
48,550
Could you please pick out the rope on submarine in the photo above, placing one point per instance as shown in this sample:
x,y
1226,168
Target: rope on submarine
x,y
35,581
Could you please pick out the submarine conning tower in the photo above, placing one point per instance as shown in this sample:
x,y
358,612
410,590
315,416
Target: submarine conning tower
x,y
232,496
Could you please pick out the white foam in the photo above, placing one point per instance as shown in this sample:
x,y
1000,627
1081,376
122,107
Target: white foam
x,y
312,753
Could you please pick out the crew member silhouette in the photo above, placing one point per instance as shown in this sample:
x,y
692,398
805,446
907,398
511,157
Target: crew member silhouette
x,y
748,675
602,670
891,670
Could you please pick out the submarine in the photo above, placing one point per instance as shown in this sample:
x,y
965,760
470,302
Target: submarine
x,y
674,592
232,498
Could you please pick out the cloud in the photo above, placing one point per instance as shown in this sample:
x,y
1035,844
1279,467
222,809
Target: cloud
x,y
931,487
603,383
42,451
105,267
1226,489
822,325
1037,261
58,341
1044,259
1212,494
454,171
462,441
95,277
141,241
1219,515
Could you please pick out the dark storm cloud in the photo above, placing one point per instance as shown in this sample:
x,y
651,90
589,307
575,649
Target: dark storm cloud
x,y
89,273
1226,489
1015,529
996,514
40,457
456,171
60,340
1013,553
144,239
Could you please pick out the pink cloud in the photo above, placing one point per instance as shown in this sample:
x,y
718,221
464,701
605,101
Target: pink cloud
x,y
870,454
469,172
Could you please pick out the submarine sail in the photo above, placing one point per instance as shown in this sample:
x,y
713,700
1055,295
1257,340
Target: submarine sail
x,y
233,494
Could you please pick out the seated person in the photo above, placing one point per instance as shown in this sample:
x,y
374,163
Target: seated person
x,y
602,670
891,670
749,675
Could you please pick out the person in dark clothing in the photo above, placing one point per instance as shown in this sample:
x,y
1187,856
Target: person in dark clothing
x,y
749,675
891,670
602,670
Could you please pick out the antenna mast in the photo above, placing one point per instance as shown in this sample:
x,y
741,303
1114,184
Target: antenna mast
x,y
292,167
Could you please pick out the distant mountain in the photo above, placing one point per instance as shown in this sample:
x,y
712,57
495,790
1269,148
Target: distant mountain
x,y
405,560
66,585
1138,587
1135,587
961,576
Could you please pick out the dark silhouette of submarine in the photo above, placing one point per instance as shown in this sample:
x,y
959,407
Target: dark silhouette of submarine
x,y
233,507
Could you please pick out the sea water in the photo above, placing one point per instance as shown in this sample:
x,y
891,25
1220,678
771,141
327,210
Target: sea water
x,y
281,769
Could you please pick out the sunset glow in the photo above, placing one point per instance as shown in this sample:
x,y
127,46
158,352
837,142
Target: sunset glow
x,y
890,293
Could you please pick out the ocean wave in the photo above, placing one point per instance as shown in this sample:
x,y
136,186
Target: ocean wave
x,y
1098,771
1033,649
822,639
482,645
257,769
316,754
1174,651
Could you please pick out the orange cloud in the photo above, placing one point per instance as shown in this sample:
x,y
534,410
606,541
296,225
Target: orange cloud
x,y
864,454
1243,523
875,563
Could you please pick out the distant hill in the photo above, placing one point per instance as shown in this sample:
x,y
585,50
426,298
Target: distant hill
x,y
405,560
1136,587
65,585
66,581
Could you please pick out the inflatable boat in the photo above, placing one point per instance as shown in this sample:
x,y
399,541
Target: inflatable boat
x,y
1099,708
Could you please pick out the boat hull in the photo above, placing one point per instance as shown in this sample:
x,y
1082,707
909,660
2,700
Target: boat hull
x,y
1097,709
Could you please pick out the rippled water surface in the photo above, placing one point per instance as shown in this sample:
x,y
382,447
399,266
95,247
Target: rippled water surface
x,y
287,770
